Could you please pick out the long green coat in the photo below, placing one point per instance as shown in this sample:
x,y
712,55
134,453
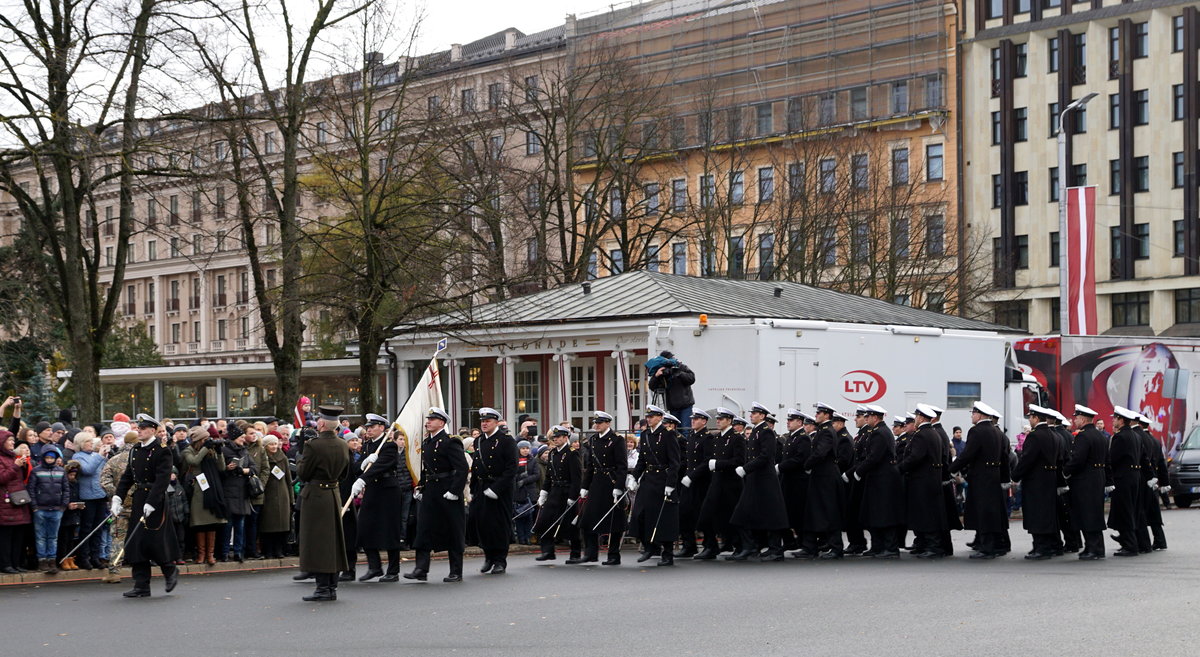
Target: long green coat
x,y
322,544
276,514
256,451
200,516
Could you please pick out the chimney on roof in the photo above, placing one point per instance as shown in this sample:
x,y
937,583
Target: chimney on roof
x,y
510,39
456,52
587,287
778,292
569,26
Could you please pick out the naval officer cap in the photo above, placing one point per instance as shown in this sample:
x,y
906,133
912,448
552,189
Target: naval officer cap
x,y
654,410
723,412
600,416
667,417
936,409
1080,409
701,415
559,430
984,409
1144,419
1124,413
925,410
437,413
860,410
899,420
740,420
487,413
756,407
1039,411
873,409
1058,416
838,415
372,418
771,420
808,419
147,421
794,414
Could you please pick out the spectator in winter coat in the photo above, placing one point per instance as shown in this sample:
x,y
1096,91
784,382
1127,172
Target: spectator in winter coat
x,y
92,494
13,517
529,476
239,467
49,493
68,529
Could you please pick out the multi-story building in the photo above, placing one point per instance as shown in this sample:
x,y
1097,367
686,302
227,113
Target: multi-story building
x,y
1024,61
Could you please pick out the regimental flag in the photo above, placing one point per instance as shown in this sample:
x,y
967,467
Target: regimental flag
x,y
411,421
1081,261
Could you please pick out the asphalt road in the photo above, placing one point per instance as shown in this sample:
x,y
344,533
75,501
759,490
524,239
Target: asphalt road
x,y
1144,605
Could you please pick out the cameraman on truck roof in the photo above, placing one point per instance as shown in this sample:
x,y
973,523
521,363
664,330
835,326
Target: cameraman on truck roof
x,y
672,380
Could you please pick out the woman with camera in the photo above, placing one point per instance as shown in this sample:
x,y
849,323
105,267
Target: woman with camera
x,y
203,467
239,467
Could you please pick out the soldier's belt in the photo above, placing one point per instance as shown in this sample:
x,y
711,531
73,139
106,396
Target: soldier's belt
x,y
560,484
656,468
437,476
1099,465
1049,467
325,485
143,486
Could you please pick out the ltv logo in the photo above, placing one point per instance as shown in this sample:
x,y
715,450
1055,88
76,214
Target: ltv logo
x,y
863,386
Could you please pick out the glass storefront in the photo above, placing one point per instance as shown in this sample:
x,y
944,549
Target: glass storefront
x,y
127,398
250,397
189,399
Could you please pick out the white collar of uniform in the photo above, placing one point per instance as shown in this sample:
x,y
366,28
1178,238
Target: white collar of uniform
x,y
983,421
924,424
489,435
562,446
148,441
727,430
1039,424
759,424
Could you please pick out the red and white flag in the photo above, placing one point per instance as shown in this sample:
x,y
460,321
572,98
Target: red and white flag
x,y
1081,260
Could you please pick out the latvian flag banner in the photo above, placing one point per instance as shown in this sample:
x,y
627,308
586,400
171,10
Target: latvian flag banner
x,y
1081,260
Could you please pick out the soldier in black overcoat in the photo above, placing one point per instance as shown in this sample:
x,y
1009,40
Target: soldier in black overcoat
x,y
724,489
603,492
696,450
1070,541
924,501
655,516
1037,471
903,427
441,514
493,481
559,496
953,520
760,514
1156,476
1086,473
824,511
985,466
151,538
848,459
1125,463
882,487
793,480
380,526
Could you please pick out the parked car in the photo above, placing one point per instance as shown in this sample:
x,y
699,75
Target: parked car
x,y
1184,469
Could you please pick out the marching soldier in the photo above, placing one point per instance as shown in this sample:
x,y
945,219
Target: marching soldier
x,y
151,536
604,472
924,501
493,476
724,489
697,448
1070,540
322,544
793,480
1086,472
1125,462
882,487
350,517
985,466
1037,470
902,428
825,510
560,492
856,541
1154,473
655,516
380,527
953,521
760,513
441,519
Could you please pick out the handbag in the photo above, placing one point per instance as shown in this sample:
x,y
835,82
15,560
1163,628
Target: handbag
x,y
254,486
19,497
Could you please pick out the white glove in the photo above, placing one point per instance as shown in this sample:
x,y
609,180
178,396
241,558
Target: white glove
x,y
856,477
417,495
570,502
630,482
449,496
617,493
741,472
1062,490
1153,483
808,472
542,497
845,478
1164,489
1109,489
669,489
490,494
712,464
686,482
373,457
146,511
583,492
115,506
358,487
776,468
1006,485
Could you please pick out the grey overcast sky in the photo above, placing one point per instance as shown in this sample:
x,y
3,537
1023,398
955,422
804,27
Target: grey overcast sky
x,y
463,21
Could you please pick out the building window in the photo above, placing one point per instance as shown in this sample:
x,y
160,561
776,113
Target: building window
x,y
1021,68
997,191
827,109
652,262
936,302
678,132
1141,40
1114,111
1131,309
533,143
531,251
1141,107
996,128
617,259
995,68
795,114
616,203
766,185
1177,102
900,97
678,195
1177,227
1114,50
175,252
495,95
766,256
708,258
322,132
708,190
733,123
737,187
1141,174
764,121
653,198
860,241
1141,241
737,256
934,162
1177,169
175,333
1078,175
1052,55
858,103
1054,248
995,8
1187,306
1079,56
1053,179
1021,124
899,166
1114,177
1022,253
495,146
1177,34
796,180
679,258
1052,114
151,213
593,266
829,246
902,300
859,176
531,89
108,257
828,175
1014,314
900,239
151,250
1020,192
467,103
704,127
935,236
222,329
1115,242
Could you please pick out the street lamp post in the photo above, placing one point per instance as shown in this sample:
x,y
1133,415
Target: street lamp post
x,y
1063,292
